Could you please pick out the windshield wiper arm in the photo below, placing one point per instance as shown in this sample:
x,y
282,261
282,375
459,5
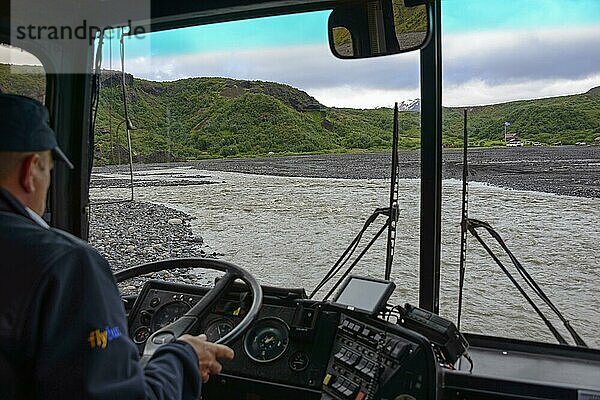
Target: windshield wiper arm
x,y
339,264
472,225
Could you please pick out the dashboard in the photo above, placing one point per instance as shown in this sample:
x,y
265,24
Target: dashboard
x,y
297,348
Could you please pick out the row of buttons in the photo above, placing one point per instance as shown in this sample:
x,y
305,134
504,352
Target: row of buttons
x,y
342,371
361,349
344,387
365,334
347,357
351,326
182,298
351,359
394,348
368,368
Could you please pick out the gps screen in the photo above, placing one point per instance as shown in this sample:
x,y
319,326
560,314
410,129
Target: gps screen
x,y
365,294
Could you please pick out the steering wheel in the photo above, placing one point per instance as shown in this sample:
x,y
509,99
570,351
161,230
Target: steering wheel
x,y
183,325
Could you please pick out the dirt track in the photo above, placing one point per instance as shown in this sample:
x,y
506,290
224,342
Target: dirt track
x,y
567,170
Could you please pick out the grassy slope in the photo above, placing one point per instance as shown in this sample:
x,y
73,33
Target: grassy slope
x,y
215,117
568,119
31,83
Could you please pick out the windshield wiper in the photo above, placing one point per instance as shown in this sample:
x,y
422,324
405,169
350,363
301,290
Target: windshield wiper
x,y
471,225
392,212
339,264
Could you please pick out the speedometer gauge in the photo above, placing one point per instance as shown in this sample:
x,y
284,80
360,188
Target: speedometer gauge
x,y
267,340
168,314
218,329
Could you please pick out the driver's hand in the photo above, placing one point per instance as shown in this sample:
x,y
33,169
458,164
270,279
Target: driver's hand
x,y
208,353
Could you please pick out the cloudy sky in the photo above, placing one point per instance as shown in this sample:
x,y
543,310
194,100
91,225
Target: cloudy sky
x,y
493,51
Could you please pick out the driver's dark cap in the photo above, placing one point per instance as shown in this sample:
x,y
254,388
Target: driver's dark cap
x,y
24,127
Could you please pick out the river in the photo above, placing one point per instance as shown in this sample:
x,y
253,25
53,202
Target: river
x,y
289,231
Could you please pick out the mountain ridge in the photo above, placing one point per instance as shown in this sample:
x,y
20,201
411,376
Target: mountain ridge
x,y
221,117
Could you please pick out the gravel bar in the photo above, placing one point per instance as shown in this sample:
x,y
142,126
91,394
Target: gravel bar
x,y
565,170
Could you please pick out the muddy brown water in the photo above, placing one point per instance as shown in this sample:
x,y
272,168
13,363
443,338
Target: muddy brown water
x,y
289,231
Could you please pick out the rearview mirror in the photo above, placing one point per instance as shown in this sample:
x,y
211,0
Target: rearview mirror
x,y
378,27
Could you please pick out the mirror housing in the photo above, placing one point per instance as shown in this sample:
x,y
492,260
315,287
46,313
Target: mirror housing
x,y
375,28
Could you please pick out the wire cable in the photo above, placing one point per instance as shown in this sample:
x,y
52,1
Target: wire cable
x,y
351,267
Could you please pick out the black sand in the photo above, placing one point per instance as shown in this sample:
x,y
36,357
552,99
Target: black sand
x,y
566,170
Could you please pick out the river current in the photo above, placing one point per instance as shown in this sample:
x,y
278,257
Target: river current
x,y
288,231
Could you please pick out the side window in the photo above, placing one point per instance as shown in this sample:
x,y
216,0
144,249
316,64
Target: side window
x,y
21,73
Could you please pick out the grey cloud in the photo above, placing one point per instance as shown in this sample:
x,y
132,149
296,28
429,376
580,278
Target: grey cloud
x,y
534,59
496,58
300,67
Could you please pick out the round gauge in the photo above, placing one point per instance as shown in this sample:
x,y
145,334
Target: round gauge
x,y
141,335
168,314
218,328
299,361
267,340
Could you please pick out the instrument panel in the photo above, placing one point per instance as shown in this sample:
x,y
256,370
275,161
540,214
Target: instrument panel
x,y
218,328
267,340
158,305
278,347
298,349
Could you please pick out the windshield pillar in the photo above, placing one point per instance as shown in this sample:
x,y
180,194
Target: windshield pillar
x,y
431,165
68,195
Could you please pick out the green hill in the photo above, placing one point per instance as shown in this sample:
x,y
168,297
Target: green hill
x,y
566,119
24,80
221,117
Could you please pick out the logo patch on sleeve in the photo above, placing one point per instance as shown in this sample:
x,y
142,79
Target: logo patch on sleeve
x,y
99,338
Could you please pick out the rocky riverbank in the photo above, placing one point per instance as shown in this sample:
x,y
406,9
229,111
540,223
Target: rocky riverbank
x,y
133,233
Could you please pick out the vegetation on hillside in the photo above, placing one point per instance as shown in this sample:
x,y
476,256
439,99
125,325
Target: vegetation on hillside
x,y
221,117
25,80
564,119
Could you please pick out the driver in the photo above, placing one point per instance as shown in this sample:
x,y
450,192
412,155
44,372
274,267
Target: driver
x,y
63,332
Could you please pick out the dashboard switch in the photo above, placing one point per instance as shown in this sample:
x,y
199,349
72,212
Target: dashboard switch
x,y
155,302
354,359
399,350
389,346
146,317
361,365
338,384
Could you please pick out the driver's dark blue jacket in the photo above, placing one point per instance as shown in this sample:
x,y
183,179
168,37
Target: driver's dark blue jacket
x,y
63,333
